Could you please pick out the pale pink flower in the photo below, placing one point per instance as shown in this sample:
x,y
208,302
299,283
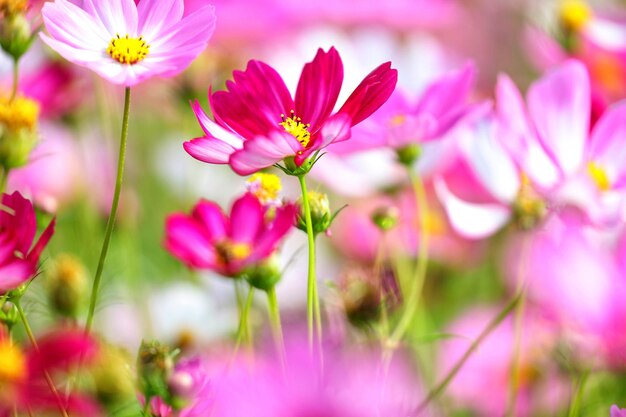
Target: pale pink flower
x,y
127,43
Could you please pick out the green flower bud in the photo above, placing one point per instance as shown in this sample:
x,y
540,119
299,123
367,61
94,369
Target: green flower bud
x,y
386,218
15,35
264,276
67,285
321,216
409,154
112,377
154,366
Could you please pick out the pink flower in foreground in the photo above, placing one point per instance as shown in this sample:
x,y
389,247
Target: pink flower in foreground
x,y
258,123
127,43
18,226
209,239
618,412
23,374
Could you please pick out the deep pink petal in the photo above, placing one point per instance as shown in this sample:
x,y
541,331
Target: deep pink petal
x,y
560,107
45,237
268,242
372,93
209,150
61,350
319,87
213,129
15,273
212,218
254,102
186,240
246,219
607,147
262,152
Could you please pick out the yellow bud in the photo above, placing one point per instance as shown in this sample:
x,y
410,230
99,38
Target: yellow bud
x,y
575,14
18,130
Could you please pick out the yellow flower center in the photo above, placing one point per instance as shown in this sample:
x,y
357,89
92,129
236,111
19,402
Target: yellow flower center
x,y
13,7
599,176
296,128
127,50
19,113
12,363
397,120
575,14
265,187
228,251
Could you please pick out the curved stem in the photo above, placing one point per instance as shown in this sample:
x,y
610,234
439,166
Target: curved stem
x,y
413,299
33,341
16,74
313,307
111,221
493,324
243,334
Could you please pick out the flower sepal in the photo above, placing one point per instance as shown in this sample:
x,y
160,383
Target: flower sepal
x,y
321,215
295,170
263,276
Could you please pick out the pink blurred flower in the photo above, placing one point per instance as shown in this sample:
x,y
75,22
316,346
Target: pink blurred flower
x,y
350,384
544,148
127,43
258,123
18,226
488,370
52,177
23,373
208,239
618,412
191,382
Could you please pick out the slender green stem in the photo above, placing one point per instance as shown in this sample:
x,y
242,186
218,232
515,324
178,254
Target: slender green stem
x,y
16,78
514,381
574,409
493,324
4,178
274,315
111,222
415,292
243,334
313,307
33,341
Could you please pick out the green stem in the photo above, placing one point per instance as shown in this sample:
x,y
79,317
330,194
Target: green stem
x,y
313,307
493,324
242,331
274,315
4,179
413,299
33,341
16,74
111,221
574,409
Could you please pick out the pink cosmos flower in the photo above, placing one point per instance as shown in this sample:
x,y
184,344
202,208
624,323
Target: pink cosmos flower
x,y
543,149
209,239
258,123
127,43
618,412
23,373
18,256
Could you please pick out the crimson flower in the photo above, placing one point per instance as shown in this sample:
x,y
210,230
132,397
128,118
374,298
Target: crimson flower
x,y
258,124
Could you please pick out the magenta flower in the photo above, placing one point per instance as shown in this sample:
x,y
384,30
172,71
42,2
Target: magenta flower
x,y
18,226
209,239
23,373
617,412
127,43
258,123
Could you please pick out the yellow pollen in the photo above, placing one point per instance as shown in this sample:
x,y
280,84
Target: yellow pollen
x,y
12,363
599,176
19,113
127,50
265,187
296,128
13,7
397,120
575,14
228,251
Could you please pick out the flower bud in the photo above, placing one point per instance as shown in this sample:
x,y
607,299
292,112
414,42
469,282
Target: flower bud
x,y
321,216
386,218
9,315
409,154
67,285
154,366
15,35
264,276
18,130
112,376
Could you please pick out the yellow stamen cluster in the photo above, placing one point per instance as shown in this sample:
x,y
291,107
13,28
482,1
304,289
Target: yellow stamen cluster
x,y
13,7
19,113
529,208
296,128
575,14
127,50
265,187
12,363
397,120
229,251
599,176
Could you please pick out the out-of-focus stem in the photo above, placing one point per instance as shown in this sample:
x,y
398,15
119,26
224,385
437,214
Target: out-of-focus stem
x,y
493,324
574,409
274,315
111,221
16,78
243,334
